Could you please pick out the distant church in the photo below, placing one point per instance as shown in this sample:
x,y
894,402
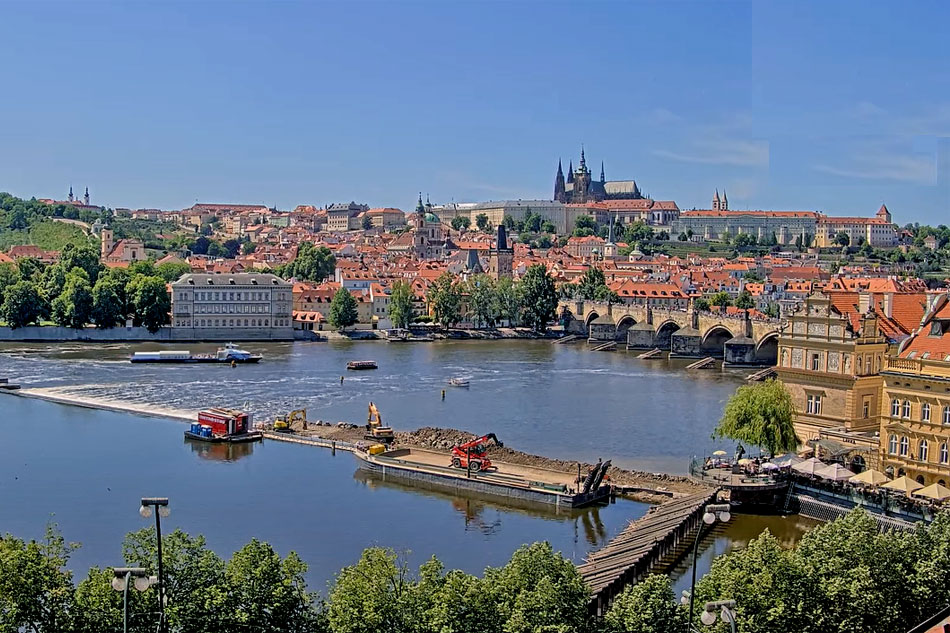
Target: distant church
x,y
579,188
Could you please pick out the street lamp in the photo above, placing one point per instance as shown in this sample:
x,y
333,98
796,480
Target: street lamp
x,y
712,513
162,510
727,614
121,581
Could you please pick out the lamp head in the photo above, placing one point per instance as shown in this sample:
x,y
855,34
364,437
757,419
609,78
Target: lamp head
x,y
708,618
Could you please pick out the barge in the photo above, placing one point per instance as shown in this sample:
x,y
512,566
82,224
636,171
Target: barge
x,y
362,364
229,354
219,426
509,482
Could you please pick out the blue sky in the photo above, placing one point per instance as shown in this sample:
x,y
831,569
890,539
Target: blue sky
x,y
829,106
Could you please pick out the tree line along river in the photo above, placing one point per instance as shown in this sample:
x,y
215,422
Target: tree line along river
x,y
86,468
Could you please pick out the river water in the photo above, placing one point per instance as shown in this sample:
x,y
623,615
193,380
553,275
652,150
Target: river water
x,y
86,469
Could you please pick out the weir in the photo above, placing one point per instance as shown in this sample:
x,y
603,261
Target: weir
x,y
629,557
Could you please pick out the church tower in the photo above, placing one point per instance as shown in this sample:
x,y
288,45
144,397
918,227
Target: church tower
x,y
715,202
108,243
581,181
502,257
724,203
570,171
602,178
85,198
883,213
610,249
70,198
560,194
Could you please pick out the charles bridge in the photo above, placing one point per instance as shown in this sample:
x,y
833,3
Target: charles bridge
x,y
737,339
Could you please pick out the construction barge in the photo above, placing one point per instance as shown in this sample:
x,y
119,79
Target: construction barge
x,y
507,482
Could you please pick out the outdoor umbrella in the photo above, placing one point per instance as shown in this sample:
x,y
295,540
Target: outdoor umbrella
x,y
809,466
870,476
787,460
934,491
719,453
770,466
834,472
903,484
745,461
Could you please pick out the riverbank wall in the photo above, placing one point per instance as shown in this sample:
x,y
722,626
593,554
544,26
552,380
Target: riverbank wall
x,y
56,334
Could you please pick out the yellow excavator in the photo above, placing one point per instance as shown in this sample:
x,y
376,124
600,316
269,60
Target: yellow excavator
x,y
375,429
285,423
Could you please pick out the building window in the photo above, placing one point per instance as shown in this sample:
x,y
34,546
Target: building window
x,y
906,411
946,415
944,454
925,412
904,446
923,451
813,405
815,362
867,408
895,408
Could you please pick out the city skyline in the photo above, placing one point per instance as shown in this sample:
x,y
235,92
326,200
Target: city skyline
x,y
799,106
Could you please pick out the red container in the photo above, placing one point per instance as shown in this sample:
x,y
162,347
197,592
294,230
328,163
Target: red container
x,y
225,421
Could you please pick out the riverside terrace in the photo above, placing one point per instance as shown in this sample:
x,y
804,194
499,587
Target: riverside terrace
x,y
820,490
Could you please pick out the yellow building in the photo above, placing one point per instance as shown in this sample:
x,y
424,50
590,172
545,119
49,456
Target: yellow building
x,y
829,363
915,416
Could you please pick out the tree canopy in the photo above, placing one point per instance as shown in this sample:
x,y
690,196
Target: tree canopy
x,y
344,310
538,298
761,414
445,300
400,304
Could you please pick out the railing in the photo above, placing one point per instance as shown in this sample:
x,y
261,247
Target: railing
x,y
905,364
930,367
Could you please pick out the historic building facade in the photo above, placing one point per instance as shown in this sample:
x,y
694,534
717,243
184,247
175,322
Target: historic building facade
x,y
915,415
238,306
831,366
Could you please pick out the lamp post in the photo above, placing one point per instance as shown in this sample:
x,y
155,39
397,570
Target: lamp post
x,y
120,582
726,607
160,504
713,512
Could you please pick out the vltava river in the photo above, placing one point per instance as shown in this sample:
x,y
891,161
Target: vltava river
x,y
86,469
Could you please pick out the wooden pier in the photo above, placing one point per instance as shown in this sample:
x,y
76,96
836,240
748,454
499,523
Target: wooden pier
x,y
629,557
705,363
653,353
565,339
605,347
762,374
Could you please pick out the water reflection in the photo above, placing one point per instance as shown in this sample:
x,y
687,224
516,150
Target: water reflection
x,y
220,452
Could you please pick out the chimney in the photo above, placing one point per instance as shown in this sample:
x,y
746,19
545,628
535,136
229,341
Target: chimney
x,y
888,304
864,302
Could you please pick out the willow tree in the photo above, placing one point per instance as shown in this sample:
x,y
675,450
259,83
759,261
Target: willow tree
x,y
760,414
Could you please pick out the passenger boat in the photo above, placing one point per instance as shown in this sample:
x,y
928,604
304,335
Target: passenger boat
x,y
218,425
362,364
458,381
230,353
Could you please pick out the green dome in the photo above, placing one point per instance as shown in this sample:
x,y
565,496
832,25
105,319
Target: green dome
x,y
431,217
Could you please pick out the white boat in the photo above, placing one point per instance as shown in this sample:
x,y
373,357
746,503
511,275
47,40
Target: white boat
x,y
458,381
230,353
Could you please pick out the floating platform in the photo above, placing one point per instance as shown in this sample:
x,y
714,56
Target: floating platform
x,y
358,365
240,438
508,482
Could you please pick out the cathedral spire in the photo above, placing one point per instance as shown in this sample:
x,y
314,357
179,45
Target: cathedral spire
x,y
420,208
583,164
602,179
70,193
560,191
570,171
85,198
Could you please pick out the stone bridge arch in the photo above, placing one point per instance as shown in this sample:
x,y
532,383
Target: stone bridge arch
x,y
664,334
623,326
766,349
714,340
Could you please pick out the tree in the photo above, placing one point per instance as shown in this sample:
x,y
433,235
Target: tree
x,y
591,284
445,300
81,256
721,299
232,247
761,414
108,309
36,589
150,303
216,249
482,301
344,310
548,227
30,268
743,240
23,304
842,239
701,303
118,279
647,607
461,222
682,237
532,222
172,271
248,247
539,298
200,246
400,304
638,231
73,307
509,222
745,301
312,263
481,221
507,300
9,275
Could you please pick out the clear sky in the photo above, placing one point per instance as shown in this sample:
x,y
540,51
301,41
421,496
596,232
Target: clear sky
x,y
829,106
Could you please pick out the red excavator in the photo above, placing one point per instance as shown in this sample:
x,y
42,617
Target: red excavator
x,y
474,455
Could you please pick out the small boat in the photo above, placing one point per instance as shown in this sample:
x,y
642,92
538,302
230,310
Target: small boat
x,y
218,425
458,381
229,354
362,364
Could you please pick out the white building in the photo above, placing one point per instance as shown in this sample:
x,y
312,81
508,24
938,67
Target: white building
x,y
240,306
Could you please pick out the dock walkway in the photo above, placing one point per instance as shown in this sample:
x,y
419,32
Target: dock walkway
x,y
640,547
